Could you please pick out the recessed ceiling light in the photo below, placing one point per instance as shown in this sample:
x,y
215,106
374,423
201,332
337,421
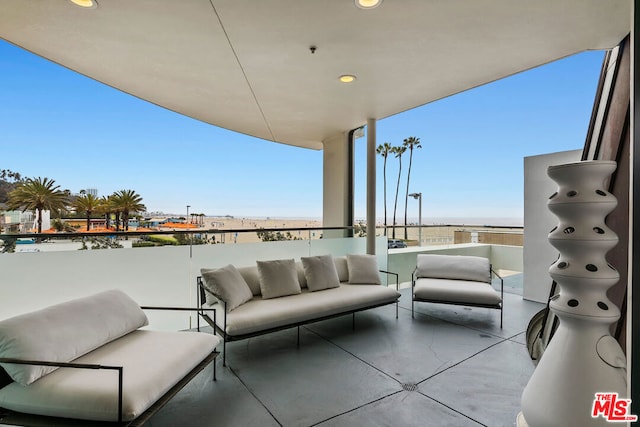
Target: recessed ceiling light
x,y
86,4
347,78
368,4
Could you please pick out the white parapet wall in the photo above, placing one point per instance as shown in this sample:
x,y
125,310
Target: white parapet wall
x,y
156,276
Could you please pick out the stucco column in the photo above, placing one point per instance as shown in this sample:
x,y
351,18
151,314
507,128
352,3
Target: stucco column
x,y
336,206
371,186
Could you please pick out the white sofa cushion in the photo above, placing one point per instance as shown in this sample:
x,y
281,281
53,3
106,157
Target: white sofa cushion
x,y
342,268
320,272
459,267
227,284
251,276
458,291
363,269
63,332
278,278
261,314
149,372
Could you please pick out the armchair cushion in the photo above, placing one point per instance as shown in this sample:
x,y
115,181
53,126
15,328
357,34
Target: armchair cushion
x,y
456,267
64,332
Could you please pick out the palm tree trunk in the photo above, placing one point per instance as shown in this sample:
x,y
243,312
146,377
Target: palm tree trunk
x,y
395,206
406,197
39,213
384,176
88,220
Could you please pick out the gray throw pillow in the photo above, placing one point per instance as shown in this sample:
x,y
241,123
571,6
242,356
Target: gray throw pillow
x,y
320,272
227,285
278,278
363,269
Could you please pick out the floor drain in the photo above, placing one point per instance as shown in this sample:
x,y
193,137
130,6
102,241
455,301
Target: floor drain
x,y
409,387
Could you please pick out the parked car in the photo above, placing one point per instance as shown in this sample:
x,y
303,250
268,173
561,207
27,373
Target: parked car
x,y
396,243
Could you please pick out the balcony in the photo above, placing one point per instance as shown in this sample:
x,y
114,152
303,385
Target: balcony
x,y
450,365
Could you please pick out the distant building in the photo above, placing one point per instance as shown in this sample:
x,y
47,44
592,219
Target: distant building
x,y
92,191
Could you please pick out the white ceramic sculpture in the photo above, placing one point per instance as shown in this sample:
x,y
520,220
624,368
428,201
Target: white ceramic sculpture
x,y
583,358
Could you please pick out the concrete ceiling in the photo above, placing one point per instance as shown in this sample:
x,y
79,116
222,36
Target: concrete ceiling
x,y
246,65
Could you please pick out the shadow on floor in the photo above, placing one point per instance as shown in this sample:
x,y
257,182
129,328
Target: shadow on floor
x,y
450,366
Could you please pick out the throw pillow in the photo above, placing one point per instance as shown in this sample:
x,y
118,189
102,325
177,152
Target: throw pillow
x,y
342,268
363,269
278,278
227,285
320,272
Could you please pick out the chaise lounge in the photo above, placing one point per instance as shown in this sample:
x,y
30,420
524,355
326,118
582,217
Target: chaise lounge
x,y
87,360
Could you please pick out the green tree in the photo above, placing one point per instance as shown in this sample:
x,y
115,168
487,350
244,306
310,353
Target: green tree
x,y
37,194
86,204
126,202
398,152
105,207
384,150
410,143
271,236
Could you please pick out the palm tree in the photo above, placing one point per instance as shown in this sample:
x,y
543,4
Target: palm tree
x,y
104,208
87,204
384,150
410,143
398,152
126,201
37,194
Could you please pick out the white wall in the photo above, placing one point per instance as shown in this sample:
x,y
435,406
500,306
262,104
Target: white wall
x,y
538,221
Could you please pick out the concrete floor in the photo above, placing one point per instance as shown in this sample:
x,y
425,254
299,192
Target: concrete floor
x,y
449,366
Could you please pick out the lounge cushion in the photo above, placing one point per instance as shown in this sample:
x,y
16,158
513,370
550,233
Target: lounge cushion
x,y
458,291
260,314
459,267
227,284
278,278
320,272
64,332
149,372
363,269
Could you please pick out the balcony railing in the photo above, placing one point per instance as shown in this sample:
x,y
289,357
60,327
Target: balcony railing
x,y
52,269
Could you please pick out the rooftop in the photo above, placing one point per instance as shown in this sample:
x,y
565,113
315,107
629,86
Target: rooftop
x,y
450,366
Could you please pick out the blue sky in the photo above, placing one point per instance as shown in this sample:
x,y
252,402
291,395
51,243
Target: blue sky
x,y
83,134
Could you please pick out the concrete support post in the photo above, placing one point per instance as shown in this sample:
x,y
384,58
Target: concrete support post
x,y
337,202
371,186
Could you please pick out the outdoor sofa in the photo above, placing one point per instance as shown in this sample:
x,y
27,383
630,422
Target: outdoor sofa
x,y
455,279
280,294
87,361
